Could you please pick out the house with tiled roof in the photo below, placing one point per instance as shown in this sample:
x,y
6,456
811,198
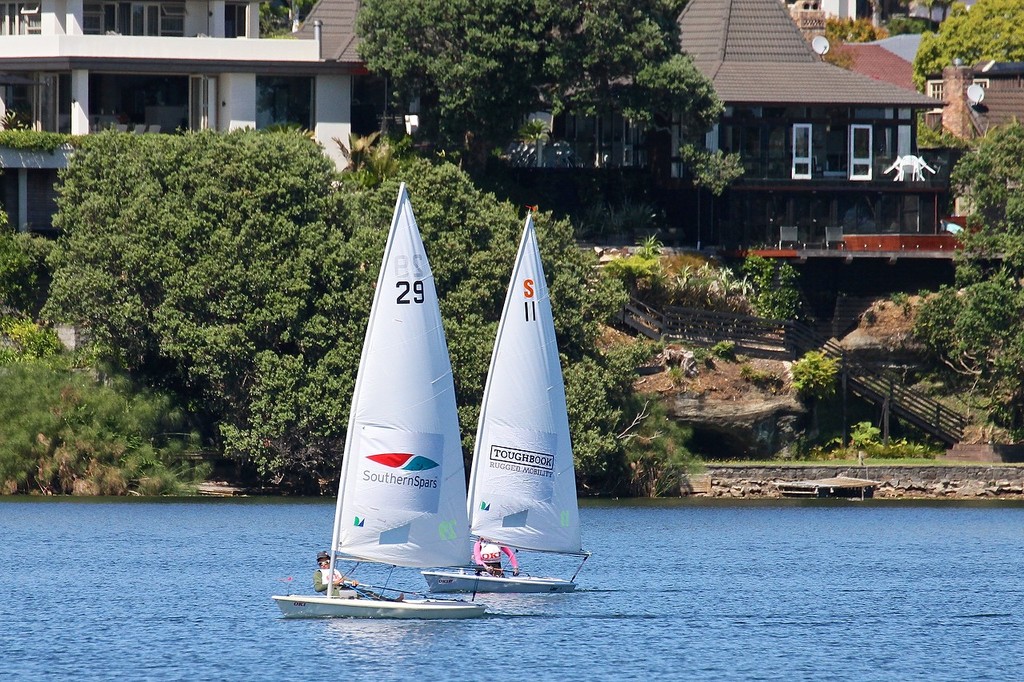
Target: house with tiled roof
x,y
821,146
980,97
161,66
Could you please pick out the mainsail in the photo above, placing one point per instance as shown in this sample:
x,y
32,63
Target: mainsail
x,y
523,485
402,498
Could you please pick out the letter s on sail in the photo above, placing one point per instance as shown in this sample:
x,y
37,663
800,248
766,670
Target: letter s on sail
x,y
528,288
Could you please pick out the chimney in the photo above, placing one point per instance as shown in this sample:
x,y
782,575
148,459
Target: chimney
x,y
318,36
956,115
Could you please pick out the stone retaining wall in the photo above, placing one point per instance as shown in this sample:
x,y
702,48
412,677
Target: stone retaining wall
x,y
923,482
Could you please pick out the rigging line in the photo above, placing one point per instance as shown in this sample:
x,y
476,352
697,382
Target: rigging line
x,y
573,578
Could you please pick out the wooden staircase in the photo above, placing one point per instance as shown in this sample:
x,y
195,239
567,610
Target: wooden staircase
x,y
788,339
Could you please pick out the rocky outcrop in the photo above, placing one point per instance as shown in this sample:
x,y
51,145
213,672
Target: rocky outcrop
x,y
921,482
753,428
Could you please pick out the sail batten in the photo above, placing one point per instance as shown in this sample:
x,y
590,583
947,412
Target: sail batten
x,y
522,486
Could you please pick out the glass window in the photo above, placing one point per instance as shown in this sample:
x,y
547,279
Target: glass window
x,y
235,20
801,168
282,100
860,152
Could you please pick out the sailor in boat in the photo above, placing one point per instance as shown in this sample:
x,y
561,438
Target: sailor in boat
x,y
344,587
487,555
321,579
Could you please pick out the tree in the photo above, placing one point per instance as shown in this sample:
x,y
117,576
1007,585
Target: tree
x,y
479,68
202,264
990,30
24,277
233,270
977,328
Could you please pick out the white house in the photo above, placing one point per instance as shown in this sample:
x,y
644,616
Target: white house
x,y
80,66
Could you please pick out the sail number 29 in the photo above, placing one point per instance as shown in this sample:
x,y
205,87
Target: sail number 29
x,y
409,291
406,287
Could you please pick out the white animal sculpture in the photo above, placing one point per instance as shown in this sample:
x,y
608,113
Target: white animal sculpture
x,y
915,165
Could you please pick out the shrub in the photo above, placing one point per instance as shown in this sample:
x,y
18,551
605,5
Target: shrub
x,y
773,283
814,375
657,454
769,381
65,433
724,350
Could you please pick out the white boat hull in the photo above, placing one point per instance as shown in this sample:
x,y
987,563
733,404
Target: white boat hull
x,y
469,581
303,606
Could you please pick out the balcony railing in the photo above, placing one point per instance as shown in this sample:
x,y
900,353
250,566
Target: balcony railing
x,y
778,169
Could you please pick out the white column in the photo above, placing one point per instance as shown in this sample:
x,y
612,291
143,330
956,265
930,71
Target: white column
x,y
332,117
253,28
79,102
74,17
237,100
217,18
213,107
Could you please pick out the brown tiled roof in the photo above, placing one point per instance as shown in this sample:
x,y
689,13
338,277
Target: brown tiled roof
x,y
753,53
876,62
338,31
1000,106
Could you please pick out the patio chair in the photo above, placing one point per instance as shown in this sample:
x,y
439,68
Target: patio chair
x,y
833,236
788,233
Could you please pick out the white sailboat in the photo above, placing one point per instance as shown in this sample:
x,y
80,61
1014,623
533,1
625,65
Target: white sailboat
x,y
402,496
522,491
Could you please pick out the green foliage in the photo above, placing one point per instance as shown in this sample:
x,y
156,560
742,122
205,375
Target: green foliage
x,y
712,170
214,273
276,16
864,434
533,131
710,287
814,375
22,338
867,439
628,218
977,329
724,350
24,275
641,274
853,30
481,68
990,178
990,30
202,263
371,159
64,433
657,453
907,25
763,379
775,294
34,140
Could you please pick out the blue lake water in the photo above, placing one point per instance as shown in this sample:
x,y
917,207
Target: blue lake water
x,y
180,590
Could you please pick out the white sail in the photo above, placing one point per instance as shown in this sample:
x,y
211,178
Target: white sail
x,y
523,484
402,498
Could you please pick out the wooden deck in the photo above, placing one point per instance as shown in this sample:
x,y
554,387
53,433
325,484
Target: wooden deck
x,y
840,486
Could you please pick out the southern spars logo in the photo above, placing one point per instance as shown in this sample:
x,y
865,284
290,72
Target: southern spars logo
x,y
403,468
404,461
525,461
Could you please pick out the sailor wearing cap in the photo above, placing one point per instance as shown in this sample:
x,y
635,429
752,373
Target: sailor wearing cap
x,y
321,580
